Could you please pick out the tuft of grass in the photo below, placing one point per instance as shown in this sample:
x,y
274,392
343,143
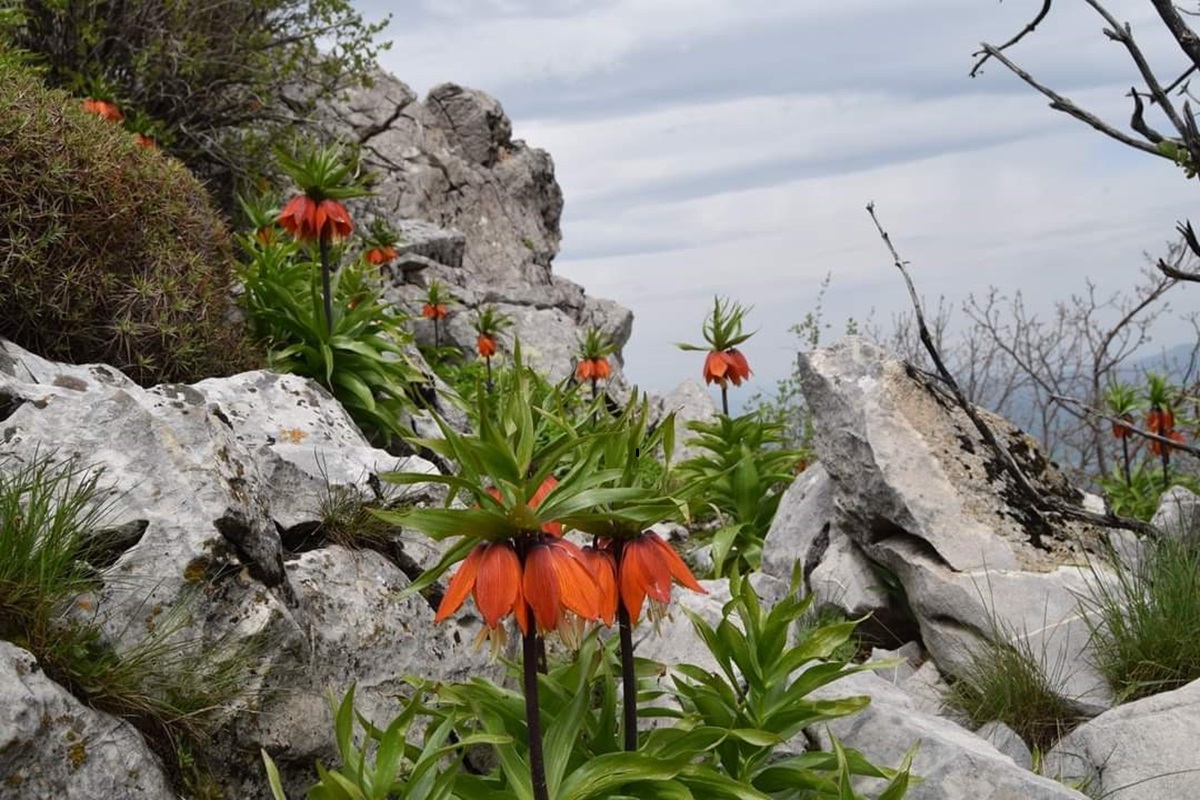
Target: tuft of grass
x,y
1144,623
345,519
1005,682
168,686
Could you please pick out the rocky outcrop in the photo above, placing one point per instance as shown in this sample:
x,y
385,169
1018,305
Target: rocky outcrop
x,y
477,210
909,503
226,481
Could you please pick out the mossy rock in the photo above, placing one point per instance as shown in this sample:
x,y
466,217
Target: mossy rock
x,y
109,252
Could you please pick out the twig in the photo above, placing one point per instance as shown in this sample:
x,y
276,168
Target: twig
x,y
1060,103
1038,502
1028,29
1185,37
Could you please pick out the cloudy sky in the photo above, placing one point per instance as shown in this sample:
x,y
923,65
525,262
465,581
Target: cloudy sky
x,y
729,147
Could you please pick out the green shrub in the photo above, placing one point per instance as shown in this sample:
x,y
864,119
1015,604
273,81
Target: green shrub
x,y
215,82
112,253
1144,624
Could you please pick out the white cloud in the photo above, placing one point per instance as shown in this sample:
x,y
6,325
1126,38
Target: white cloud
x,y
729,146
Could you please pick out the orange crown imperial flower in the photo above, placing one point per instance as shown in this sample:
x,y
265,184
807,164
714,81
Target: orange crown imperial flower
x,y
378,256
104,109
593,369
316,220
433,311
724,366
648,566
486,346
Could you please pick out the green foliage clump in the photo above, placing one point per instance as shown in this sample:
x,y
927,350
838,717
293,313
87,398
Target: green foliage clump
x,y
1004,682
113,252
741,476
359,356
1144,623
215,82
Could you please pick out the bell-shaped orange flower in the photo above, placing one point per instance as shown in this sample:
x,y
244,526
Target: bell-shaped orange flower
x,y
648,566
1120,428
1160,421
722,366
556,580
379,256
316,220
1159,448
103,108
433,311
604,570
592,369
486,346
491,573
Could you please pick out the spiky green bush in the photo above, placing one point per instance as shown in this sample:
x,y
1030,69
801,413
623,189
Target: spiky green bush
x,y
108,252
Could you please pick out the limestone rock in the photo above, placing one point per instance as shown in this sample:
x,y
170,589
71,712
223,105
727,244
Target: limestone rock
x,y
51,745
807,531
922,496
477,210
226,479
953,763
1144,749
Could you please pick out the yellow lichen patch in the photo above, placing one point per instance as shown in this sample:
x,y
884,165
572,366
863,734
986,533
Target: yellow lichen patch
x,y
77,754
195,570
292,435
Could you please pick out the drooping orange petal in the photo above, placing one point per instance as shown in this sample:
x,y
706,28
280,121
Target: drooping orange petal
x,y
460,585
739,367
486,346
428,311
640,573
583,370
497,585
601,368
604,570
715,367
576,582
541,588
679,570
441,310
295,216
552,527
335,222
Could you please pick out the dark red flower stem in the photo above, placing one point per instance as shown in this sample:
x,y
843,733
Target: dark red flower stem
x,y
537,762
629,708
1165,455
490,385
725,399
1125,453
437,331
595,389
326,288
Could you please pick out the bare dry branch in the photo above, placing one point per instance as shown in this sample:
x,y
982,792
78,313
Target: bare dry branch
x,y
1028,29
1063,104
1039,503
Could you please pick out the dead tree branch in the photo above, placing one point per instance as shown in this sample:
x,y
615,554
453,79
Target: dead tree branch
x,y
1039,503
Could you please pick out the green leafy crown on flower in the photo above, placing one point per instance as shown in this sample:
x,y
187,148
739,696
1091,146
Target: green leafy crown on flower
x,y
381,234
436,294
596,344
324,172
722,328
489,321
